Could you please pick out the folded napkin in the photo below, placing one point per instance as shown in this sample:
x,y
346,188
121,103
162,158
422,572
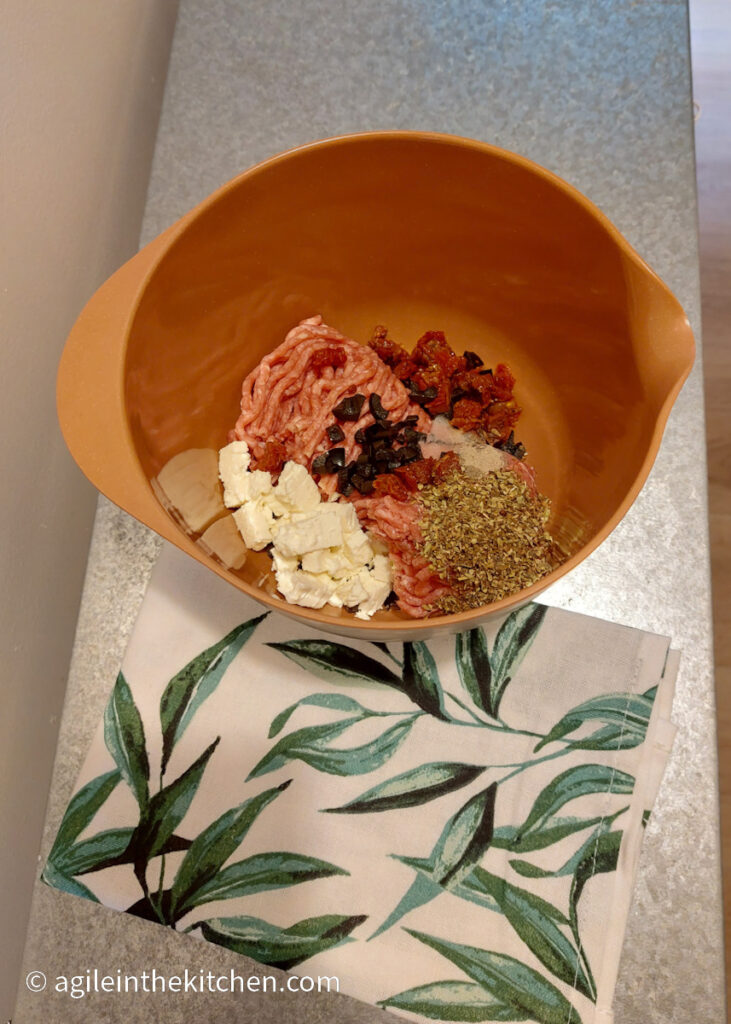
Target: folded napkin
x,y
450,828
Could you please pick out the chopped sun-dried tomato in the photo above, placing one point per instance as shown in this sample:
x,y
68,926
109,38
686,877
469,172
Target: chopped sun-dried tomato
x,y
415,473
405,368
272,458
440,405
499,419
385,349
432,349
467,414
504,382
472,397
387,484
474,385
447,465
333,355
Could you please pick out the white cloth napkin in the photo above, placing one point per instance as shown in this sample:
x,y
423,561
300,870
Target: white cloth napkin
x,y
452,829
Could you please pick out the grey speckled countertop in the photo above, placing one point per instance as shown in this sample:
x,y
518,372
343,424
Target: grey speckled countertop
x,y
599,92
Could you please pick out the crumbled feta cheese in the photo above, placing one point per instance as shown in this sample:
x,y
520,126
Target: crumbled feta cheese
x,y
330,560
351,590
358,548
320,553
378,591
305,588
284,563
255,485
296,489
255,522
349,518
278,507
383,570
233,469
308,531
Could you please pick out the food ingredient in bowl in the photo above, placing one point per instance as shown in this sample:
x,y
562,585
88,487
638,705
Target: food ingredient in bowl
x,y
495,514
416,583
474,397
290,397
320,553
188,486
223,541
341,447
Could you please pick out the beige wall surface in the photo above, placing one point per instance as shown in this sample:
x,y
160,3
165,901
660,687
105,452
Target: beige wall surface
x,y
81,84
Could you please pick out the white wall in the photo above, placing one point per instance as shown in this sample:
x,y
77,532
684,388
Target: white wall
x,y
81,84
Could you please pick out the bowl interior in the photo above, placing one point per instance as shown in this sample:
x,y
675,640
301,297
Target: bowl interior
x,y
417,234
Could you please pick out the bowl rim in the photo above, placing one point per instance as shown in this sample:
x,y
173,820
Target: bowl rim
x,y
159,248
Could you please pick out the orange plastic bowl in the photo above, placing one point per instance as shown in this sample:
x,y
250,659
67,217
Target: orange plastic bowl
x,y
417,231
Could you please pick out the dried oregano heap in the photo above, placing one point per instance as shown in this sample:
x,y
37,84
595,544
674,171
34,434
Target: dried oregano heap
x,y
486,535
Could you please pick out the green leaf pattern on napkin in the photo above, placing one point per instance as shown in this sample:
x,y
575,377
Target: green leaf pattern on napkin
x,y
462,859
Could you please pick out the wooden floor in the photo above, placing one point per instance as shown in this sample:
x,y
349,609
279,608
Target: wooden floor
x,y
711,52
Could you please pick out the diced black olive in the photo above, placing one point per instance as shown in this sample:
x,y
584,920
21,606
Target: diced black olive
x,y
377,410
422,397
344,485
362,485
361,437
483,373
409,453
368,471
381,433
394,462
319,463
335,459
411,436
335,433
473,360
363,459
453,399
349,408
511,446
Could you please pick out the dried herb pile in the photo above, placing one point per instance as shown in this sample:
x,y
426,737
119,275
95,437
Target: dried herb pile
x,y
486,535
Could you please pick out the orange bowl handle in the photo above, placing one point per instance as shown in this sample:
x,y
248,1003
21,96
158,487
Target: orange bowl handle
x,y
90,394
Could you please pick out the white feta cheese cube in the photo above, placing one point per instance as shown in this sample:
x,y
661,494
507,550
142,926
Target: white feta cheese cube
x,y
233,467
308,531
255,522
254,485
358,548
304,588
383,569
278,507
349,517
377,590
283,563
330,560
296,489
351,590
